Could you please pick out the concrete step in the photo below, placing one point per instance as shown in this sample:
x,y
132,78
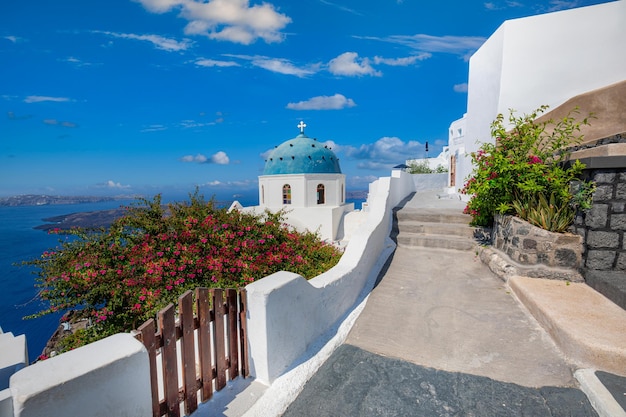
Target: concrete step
x,y
415,240
433,216
588,327
447,229
434,228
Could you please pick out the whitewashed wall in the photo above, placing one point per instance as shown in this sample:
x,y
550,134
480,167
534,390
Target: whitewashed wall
x,y
287,314
456,146
110,377
303,189
544,59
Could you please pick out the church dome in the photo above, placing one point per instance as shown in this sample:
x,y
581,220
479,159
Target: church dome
x,y
302,155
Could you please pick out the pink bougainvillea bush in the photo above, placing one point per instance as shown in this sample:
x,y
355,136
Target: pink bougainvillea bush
x,y
121,276
528,163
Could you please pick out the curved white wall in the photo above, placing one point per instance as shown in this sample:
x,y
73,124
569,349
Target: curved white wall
x,y
287,314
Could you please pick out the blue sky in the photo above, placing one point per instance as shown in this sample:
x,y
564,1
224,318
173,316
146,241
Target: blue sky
x,y
159,96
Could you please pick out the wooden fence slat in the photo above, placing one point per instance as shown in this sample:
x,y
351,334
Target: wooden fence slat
x,y
214,360
148,330
188,351
243,331
233,346
204,343
220,348
167,325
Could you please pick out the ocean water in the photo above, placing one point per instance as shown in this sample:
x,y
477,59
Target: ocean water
x,y
20,242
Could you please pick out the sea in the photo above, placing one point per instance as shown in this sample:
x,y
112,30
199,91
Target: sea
x,y
19,242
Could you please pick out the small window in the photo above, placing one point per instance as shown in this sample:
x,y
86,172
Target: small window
x,y
342,194
321,199
286,194
262,194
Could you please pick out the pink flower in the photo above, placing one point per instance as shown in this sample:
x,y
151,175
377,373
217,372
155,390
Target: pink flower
x,y
534,160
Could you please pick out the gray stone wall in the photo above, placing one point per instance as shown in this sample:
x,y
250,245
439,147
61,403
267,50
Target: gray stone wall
x,y
603,227
529,245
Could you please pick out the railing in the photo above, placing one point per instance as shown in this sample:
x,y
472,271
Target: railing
x,y
212,344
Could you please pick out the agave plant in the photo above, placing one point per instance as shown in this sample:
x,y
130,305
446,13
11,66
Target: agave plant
x,y
554,215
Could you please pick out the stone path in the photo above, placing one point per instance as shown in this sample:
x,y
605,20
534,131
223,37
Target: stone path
x,y
442,336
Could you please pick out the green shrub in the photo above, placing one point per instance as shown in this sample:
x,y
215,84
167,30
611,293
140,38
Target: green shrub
x,y
424,168
525,163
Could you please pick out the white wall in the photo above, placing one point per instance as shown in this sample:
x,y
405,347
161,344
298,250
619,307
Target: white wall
x,y
286,313
303,189
325,220
110,377
456,147
544,59
430,182
13,357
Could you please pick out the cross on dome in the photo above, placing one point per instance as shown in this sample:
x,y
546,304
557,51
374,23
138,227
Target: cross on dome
x,y
301,125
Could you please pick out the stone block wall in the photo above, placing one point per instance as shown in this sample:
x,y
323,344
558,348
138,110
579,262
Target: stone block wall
x,y
529,245
603,227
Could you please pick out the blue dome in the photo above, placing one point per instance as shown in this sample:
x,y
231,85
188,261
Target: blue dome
x,y
302,155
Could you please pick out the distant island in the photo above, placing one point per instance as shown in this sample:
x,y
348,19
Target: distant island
x,y
84,220
95,219
42,200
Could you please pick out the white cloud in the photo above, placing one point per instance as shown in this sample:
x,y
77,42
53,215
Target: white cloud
x,y
219,158
227,20
356,181
114,185
336,102
505,5
230,184
189,124
460,88
349,64
199,158
159,42
282,66
464,46
402,62
55,122
38,99
13,39
384,153
77,62
214,63
153,128
556,5
340,7
279,65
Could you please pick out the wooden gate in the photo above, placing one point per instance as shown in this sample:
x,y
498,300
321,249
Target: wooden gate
x,y
452,170
211,346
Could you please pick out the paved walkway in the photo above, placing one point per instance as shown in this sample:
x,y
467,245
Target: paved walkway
x,y
441,335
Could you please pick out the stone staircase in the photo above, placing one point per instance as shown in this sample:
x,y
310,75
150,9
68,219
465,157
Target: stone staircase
x,y
434,228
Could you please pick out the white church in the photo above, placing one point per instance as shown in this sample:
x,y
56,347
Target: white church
x,y
302,176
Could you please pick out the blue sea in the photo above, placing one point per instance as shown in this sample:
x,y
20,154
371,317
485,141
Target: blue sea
x,y
19,241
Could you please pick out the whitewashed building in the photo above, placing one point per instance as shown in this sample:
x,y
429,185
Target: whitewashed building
x,y
538,60
303,177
